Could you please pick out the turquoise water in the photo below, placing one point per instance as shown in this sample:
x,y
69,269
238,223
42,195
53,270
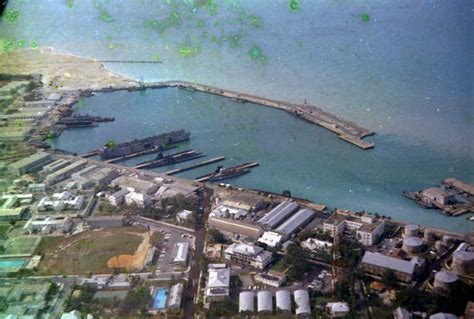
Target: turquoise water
x,y
159,298
309,161
406,73
12,263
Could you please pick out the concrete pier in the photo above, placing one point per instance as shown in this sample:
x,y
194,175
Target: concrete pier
x,y
204,163
346,130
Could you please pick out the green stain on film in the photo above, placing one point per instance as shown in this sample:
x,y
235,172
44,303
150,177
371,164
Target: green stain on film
x,y
34,45
365,17
7,44
255,21
155,58
70,4
21,43
12,15
256,54
294,5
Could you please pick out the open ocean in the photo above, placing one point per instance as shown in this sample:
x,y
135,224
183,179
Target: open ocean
x,y
401,68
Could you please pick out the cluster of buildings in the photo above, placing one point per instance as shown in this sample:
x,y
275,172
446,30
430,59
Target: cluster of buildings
x,y
282,300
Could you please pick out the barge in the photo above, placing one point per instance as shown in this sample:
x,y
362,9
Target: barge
x,y
161,141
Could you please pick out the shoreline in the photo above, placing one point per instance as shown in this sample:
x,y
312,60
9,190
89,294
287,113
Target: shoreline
x,y
71,74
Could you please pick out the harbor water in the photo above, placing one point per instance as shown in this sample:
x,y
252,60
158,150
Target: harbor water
x,y
294,155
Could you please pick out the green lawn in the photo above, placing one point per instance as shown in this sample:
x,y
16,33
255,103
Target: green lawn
x,y
21,245
4,229
87,252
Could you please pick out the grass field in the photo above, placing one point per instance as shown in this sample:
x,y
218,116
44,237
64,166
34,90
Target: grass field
x,y
87,252
3,229
21,245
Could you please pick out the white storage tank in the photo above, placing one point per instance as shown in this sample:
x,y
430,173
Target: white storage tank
x,y
246,301
445,280
264,301
303,308
283,301
412,230
413,245
463,262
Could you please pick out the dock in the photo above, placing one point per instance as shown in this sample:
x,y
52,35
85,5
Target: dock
x,y
137,154
170,159
206,177
346,130
190,167
90,154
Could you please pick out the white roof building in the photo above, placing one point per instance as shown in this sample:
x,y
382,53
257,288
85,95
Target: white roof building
x,y
246,301
246,254
117,198
314,244
302,302
217,287
338,309
182,253
174,299
138,199
271,239
183,215
264,301
283,300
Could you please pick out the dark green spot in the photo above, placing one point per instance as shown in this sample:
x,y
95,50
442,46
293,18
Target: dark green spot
x,y
294,5
34,45
70,3
256,54
12,15
365,17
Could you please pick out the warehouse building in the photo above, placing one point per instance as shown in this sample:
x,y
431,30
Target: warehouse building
x,y
264,302
64,172
303,308
295,222
176,293
118,197
235,229
30,164
137,184
248,255
246,301
283,301
55,166
278,214
181,256
366,228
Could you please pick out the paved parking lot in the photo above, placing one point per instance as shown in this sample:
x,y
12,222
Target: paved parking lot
x,y
168,251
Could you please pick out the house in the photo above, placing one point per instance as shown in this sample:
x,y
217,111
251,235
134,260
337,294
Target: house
x,y
250,255
217,287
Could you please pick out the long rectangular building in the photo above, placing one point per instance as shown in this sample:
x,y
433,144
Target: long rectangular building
x,y
295,222
31,163
377,264
278,214
236,229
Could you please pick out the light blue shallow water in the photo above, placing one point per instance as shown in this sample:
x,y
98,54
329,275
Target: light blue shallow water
x,y
159,298
306,159
12,263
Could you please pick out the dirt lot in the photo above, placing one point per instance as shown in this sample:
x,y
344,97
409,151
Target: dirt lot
x,y
87,252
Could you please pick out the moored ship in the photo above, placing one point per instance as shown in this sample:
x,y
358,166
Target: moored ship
x,y
227,173
161,141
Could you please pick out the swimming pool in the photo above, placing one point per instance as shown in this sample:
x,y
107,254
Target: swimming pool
x,y
159,298
12,263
